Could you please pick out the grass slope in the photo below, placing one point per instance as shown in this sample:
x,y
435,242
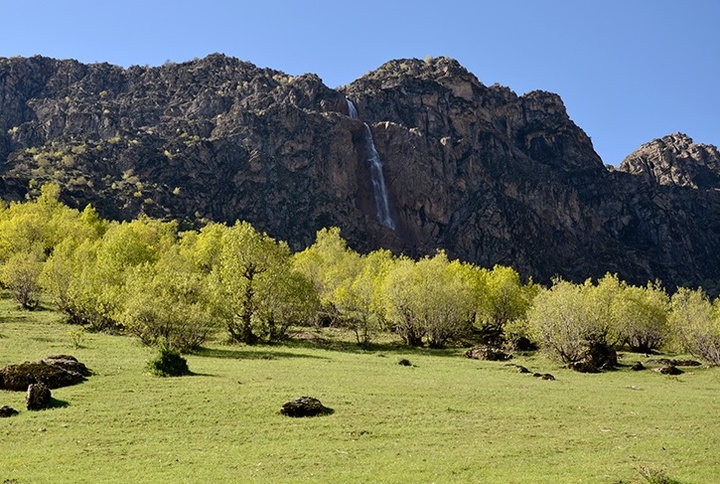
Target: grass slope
x,y
445,419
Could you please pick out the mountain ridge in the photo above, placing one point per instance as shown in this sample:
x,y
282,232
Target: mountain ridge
x,y
489,176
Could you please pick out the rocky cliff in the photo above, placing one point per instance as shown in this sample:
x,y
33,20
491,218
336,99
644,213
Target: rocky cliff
x,y
488,175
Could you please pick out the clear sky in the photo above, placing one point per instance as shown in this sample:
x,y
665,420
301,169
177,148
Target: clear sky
x,y
628,71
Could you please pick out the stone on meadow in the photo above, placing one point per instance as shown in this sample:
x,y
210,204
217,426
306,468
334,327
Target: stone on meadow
x,y
38,396
6,411
305,407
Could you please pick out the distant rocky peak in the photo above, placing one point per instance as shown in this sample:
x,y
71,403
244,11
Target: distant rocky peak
x,y
675,160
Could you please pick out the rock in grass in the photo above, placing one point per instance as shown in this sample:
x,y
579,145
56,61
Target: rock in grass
x,y
487,353
68,363
38,397
305,407
18,377
6,411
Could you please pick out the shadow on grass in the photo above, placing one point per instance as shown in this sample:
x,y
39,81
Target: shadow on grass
x,y
55,403
241,354
387,349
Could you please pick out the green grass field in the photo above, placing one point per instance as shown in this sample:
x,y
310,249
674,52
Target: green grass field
x,y
445,419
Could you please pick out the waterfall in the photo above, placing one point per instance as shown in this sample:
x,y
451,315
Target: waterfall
x,y
380,193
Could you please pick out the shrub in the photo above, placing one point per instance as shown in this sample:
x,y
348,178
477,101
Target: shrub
x,y
168,362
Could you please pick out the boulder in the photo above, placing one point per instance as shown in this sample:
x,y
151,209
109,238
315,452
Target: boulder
x,y
68,363
18,377
487,353
38,396
6,411
305,407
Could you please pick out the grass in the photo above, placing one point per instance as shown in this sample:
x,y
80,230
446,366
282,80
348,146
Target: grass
x,y
444,419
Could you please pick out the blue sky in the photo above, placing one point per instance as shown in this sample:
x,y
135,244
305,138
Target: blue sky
x,y
628,71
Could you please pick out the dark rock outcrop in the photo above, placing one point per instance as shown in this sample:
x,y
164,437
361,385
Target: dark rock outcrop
x,y
305,407
38,396
490,176
675,160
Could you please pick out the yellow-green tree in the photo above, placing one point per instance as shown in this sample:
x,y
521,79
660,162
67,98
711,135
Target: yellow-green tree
x,y
166,303
332,267
697,323
359,299
253,284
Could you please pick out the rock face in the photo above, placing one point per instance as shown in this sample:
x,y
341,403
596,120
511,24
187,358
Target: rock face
x,y
675,160
490,176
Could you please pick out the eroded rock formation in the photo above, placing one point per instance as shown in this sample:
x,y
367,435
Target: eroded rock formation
x,y
490,176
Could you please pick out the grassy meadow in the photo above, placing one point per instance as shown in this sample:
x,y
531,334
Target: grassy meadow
x,y
444,419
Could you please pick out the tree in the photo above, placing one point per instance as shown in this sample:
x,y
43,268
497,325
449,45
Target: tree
x,y
166,303
501,298
359,300
427,298
400,301
20,274
332,267
697,322
248,263
569,320
642,316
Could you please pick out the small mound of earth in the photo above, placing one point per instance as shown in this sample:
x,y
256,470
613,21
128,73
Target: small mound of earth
x,y
305,407
6,411
672,362
487,353
54,372
669,370
308,336
544,376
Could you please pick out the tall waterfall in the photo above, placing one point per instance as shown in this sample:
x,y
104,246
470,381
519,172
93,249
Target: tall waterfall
x,y
382,203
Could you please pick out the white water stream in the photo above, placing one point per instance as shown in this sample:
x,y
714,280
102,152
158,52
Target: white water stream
x,y
380,193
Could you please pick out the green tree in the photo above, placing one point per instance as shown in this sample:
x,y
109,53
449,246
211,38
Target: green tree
x,y
501,298
642,316
697,323
20,273
562,321
428,298
247,259
332,267
166,303
359,300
